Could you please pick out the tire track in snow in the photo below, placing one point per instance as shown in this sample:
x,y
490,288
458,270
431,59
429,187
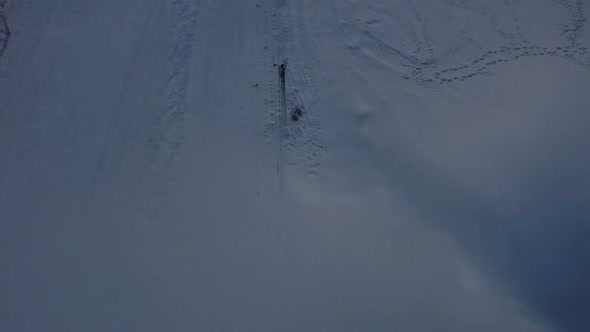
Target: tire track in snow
x,y
169,134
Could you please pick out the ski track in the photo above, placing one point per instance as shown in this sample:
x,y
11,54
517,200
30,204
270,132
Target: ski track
x,y
167,134
168,138
111,153
414,58
114,128
298,142
269,78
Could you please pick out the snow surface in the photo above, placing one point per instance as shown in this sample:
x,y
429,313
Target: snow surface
x,y
436,180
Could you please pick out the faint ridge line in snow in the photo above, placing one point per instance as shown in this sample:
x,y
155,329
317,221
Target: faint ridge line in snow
x,y
351,30
275,38
399,54
268,16
282,76
283,110
4,30
267,72
169,124
260,64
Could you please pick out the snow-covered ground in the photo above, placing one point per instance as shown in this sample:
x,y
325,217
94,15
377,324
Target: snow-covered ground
x,y
435,181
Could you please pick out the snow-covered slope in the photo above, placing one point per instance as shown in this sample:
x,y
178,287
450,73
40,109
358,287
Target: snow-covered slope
x,y
435,180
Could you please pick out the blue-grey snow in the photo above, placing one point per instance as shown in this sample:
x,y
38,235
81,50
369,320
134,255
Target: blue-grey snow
x,y
294,165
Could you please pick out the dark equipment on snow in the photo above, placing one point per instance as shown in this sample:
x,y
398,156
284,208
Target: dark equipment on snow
x,y
296,114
